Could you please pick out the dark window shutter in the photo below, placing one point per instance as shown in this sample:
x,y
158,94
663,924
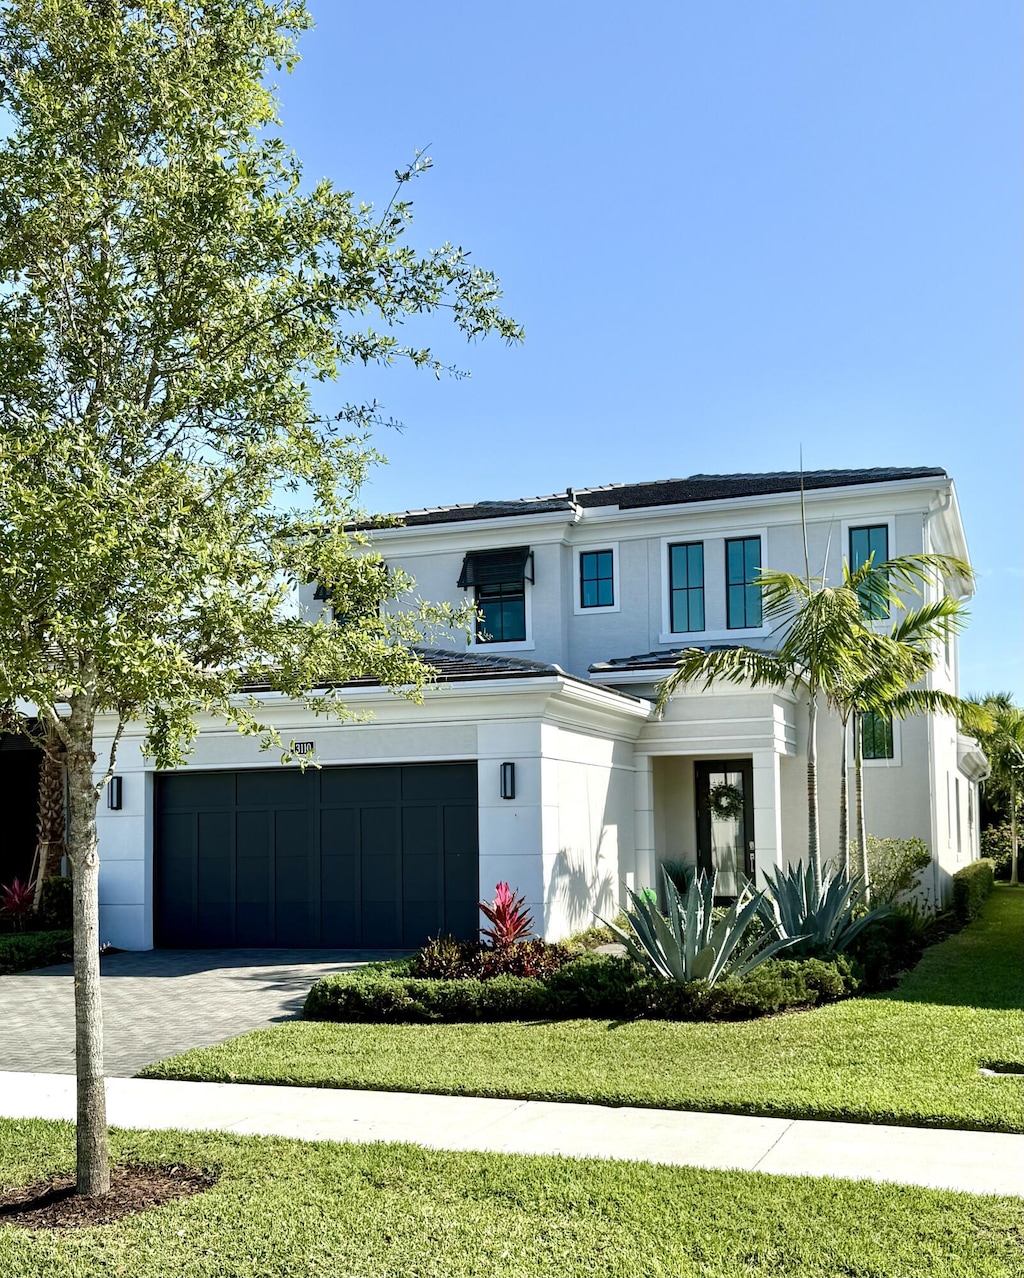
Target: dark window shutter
x,y
494,567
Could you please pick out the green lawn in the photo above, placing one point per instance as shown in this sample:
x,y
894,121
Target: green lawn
x,y
282,1209
910,1056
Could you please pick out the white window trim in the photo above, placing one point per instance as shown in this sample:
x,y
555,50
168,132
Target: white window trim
x,y
719,634
897,749
514,645
589,548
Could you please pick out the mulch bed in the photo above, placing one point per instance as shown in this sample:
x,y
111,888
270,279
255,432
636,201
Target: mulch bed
x,y
53,1204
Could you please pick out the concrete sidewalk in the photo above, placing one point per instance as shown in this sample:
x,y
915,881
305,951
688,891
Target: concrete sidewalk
x,y
977,1162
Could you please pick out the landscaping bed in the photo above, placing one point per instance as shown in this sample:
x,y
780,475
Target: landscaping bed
x,y
284,1209
23,951
910,1055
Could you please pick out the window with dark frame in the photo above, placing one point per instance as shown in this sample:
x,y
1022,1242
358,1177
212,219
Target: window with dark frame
x,y
876,735
743,594
686,586
597,579
502,609
870,542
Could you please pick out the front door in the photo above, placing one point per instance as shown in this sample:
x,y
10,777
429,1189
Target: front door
x,y
725,822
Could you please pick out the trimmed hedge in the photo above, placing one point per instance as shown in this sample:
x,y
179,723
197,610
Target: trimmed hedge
x,y
591,986
23,951
971,886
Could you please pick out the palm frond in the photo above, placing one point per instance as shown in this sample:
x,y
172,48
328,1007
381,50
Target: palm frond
x,y
728,665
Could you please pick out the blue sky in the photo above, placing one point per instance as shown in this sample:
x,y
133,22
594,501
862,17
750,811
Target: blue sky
x,y
730,230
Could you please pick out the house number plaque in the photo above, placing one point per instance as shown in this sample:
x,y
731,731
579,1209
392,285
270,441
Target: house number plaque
x,y
302,747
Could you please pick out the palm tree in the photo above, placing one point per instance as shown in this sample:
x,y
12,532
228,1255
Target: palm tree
x,y
1003,743
899,660
827,645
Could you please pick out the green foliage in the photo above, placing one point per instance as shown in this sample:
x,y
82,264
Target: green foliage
x,y
890,946
997,847
399,999
689,944
171,291
446,958
591,985
895,867
28,950
817,921
971,886
679,872
55,902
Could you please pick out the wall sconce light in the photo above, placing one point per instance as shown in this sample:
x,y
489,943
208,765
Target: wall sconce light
x,y
114,794
508,780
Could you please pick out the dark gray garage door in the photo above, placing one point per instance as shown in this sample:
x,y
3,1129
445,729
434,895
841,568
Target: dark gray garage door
x,y
376,857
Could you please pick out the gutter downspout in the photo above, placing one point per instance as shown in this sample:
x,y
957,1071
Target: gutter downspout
x,y
926,545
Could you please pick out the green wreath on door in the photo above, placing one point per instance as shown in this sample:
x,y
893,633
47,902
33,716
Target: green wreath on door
x,y
725,801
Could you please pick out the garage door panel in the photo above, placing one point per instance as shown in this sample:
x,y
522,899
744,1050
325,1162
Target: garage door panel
x,y
381,925
440,782
421,919
273,788
360,785
195,791
254,923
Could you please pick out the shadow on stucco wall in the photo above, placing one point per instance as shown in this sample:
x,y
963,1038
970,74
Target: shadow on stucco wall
x,y
580,891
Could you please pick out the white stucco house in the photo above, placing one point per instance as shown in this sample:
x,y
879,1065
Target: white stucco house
x,y
538,757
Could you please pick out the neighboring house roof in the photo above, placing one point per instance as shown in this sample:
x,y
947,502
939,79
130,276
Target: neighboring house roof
x,y
657,661
450,666
668,492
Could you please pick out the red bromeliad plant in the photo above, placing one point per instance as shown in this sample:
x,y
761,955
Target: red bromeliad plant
x,y
16,900
511,920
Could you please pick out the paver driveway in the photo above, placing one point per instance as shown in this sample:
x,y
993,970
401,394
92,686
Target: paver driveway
x,y
159,1002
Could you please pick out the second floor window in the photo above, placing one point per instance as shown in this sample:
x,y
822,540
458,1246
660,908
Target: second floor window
x,y
743,594
597,580
876,735
502,609
686,586
870,542
498,579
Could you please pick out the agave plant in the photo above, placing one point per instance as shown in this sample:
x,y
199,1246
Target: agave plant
x,y
687,944
823,920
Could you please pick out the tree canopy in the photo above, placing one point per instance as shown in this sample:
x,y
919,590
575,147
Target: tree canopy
x,y
172,290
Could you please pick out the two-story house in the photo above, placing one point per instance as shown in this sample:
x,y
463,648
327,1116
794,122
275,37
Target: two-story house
x,y
538,756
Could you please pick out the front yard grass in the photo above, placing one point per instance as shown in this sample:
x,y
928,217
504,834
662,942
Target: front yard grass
x,y
284,1209
910,1056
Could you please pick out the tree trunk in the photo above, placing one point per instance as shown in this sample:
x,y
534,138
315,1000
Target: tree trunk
x,y
49,823
844,805
813,845
93,1169
1014,874
862,832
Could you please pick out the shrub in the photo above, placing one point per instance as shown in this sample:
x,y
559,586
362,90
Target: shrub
x,y
971,886
405,999
55,903
27,950
895,866
591,985
997,846
891,946
445,958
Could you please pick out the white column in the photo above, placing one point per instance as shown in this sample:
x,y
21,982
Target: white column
x,y
767,813
644,863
